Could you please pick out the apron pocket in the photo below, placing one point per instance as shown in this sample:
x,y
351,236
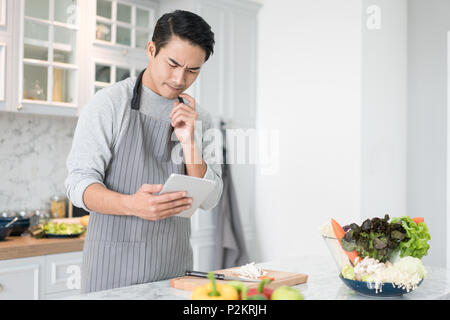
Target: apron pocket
x,y
109,264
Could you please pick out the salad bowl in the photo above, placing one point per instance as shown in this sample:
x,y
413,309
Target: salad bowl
x,y
386,289
386,249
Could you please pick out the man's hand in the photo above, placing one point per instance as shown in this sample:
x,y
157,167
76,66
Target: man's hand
x,y
148,206
183,119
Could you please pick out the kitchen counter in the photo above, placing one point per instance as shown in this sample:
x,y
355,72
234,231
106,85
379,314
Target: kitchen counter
x,y
323,284
27,246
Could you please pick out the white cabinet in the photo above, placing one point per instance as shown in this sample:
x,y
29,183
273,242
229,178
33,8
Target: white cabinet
x,y
21,278
2,12
62,273
127,24
54,46
108,72
119,32
6,7
2,71
48,54
42,277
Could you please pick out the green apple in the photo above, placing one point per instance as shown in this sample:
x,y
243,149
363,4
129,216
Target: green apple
x,y
286,293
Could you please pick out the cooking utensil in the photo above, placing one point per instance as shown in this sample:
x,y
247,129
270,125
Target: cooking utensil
x,y
280,278
218,276
12,222
4,231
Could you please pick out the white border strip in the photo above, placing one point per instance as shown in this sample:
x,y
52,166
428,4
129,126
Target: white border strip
x,y
448,156
2,12
2,70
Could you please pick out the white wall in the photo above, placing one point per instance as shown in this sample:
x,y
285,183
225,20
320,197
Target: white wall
x,y
429,22
384,110
337,93
309,78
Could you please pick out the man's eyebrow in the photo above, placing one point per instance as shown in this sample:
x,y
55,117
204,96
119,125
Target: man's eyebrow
x,y
179,65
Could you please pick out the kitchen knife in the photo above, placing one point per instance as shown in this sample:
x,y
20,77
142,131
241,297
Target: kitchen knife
x,y
218,276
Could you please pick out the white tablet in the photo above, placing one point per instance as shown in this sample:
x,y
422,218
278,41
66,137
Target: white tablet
x,y
197,188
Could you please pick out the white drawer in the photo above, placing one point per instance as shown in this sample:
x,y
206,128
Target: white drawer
x,y
61,295
20,278
63,272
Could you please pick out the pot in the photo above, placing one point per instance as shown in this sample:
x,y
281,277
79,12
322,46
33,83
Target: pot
x,y
5,231
20,226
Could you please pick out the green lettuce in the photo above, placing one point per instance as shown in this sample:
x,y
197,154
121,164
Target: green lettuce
x,y
348,272
63,228
411,265
415,243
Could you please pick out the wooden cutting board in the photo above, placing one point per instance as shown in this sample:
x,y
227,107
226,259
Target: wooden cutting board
x,y
281,278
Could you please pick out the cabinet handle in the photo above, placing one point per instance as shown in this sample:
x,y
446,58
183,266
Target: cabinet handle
x,y
1,288
19,107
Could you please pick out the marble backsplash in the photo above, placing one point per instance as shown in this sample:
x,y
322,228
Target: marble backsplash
x,y
33,153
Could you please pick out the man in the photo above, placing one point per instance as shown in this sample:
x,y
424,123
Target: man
x,y
125,147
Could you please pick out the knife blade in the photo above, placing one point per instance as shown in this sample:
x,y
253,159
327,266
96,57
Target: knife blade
x,y
218,276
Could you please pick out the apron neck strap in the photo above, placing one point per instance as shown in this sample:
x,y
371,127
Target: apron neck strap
x,y
136,100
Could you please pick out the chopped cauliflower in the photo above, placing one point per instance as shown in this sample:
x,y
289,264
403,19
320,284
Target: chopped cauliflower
x,y
376,273
249,271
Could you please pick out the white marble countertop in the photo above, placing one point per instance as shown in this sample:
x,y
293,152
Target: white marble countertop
x,y
323,284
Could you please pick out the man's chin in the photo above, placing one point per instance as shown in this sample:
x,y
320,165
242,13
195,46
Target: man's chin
x,y
170,93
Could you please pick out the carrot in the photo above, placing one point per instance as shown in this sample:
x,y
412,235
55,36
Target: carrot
x,y
266,277
338,230
418,219
340,233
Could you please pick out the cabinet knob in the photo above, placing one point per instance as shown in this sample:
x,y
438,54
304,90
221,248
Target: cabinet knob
x,y
124,52
19,107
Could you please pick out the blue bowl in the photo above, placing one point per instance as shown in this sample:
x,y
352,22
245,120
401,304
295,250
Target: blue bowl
x,y
387,289
19,227
4,232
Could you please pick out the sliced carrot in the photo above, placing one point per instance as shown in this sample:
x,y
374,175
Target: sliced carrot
x,y
266,277
340,233
418,219
338,230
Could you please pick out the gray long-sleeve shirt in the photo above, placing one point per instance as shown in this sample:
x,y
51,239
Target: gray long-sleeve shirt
x,y
101,126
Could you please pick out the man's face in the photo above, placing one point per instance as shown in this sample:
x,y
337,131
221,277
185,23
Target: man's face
x,y
175,67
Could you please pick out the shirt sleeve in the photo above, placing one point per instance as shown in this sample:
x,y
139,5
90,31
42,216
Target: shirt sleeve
x,y
91,147
212,155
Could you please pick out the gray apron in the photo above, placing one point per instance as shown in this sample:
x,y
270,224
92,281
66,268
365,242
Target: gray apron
x,y
126,250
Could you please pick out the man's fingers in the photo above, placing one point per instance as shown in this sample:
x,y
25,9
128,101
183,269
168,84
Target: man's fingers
x,y
181,113
173,204
151,188
168,197
170,212
181,118
189,99
180,106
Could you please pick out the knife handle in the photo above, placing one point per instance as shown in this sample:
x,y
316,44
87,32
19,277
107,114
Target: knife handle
x,y
218,276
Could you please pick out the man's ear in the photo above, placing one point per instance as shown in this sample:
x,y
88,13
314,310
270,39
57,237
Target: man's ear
x,y
151,49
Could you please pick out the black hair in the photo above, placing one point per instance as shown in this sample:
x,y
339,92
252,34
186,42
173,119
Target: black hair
x,y
186,25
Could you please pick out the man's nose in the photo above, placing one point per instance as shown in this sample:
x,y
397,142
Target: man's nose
x,y
178,77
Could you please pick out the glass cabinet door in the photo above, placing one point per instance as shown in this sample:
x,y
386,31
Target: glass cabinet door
x,y
103,30
123,24
49,60
143,20
109,73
